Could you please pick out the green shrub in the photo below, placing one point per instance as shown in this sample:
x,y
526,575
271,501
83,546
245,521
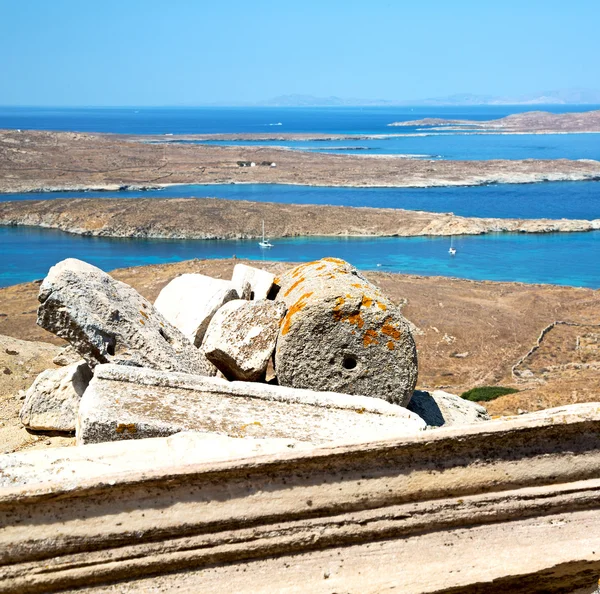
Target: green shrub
x,y
487,393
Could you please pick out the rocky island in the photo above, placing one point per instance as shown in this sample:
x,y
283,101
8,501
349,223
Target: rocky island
x,y
216,218
530,122
46,161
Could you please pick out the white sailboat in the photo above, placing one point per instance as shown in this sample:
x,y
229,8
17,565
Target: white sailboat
x,y
452,250
265,243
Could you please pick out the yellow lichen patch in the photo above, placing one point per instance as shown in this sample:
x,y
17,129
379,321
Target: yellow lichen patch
x,y
370,338
320,267
390,330
298,306
381,306
333,260
298,282
357,285
390,345
126,428
144,313
276,280
361,411
142,322
366,301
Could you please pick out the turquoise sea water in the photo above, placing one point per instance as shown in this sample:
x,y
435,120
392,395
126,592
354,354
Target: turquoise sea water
x,y
569,259
26,254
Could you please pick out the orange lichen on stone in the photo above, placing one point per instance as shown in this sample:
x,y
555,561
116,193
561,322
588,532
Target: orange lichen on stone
x,y
126,428
298,282
370,338
390,345
320,267
390,330
366,301
144,313
333,260
298,306
381,306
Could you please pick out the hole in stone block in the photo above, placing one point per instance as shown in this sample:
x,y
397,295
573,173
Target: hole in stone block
x,y
349,362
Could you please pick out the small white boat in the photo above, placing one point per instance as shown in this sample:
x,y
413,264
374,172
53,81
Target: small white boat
x,y
265,243
452,250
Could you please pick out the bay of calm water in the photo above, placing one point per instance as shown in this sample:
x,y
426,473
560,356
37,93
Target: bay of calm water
x,y
571,200
567,259
27,253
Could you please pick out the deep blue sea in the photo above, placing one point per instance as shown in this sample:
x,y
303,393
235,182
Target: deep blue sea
x,y
572,259
556,200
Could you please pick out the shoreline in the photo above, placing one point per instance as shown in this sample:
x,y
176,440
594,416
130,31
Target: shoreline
x,y
218,218
321,184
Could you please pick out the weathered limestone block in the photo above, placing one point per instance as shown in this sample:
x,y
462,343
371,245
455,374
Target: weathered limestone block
x,y
439,408
341,334
191,300
241,338
260,281
52,401
134,403
143,455
108,321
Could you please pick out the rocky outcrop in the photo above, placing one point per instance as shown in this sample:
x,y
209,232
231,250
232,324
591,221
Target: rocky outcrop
x,y
156,404
108,321
52,402
442,409
191,300
209,218
241,338
342,334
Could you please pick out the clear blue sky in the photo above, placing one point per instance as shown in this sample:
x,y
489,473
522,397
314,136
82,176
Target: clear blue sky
x,y
190,52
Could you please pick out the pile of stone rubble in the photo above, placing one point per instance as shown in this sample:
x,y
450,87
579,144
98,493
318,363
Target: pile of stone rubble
x,y
318,354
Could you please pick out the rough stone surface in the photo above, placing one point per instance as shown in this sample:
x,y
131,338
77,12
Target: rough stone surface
x,y
52,402
439,408
151,455
241,338
67,356
260,281
134,403
108,321
342,334
191,300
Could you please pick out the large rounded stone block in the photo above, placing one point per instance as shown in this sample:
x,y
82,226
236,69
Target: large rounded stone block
x,y
342,334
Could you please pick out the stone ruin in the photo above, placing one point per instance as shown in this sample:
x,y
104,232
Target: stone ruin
x,y
275,405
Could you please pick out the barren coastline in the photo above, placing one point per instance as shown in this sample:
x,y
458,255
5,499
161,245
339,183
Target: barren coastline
x,y
38,161
215,218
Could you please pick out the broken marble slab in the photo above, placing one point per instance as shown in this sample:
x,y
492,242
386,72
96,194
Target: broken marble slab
x,y
134,403
241,338
442,409
190,301
52,401
107,321
75,465
260,281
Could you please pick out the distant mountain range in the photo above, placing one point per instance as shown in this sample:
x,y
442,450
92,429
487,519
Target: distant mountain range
x,y
559,97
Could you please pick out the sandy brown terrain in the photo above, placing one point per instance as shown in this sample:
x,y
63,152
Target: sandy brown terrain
x,y
520,123
33,160
212,218
468,334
